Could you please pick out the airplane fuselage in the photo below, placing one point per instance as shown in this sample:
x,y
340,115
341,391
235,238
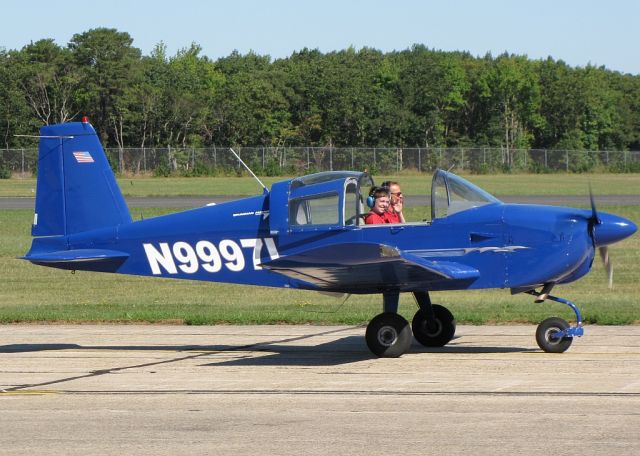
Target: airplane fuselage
x,y
512,245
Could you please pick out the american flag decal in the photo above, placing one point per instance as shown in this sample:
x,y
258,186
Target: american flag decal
x,y
83,157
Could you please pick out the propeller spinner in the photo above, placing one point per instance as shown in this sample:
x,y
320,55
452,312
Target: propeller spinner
x,y
605,229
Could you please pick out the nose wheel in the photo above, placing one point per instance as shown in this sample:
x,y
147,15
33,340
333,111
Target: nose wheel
x,y
550,335
555,335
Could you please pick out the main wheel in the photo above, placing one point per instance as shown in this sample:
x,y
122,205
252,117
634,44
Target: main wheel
x,y
545,335
388,335
436,333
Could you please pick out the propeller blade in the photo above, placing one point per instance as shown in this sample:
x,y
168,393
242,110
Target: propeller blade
x,y
594,213
594,219
604,254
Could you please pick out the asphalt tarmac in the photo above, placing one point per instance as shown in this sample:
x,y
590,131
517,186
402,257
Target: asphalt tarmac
x,y
313,390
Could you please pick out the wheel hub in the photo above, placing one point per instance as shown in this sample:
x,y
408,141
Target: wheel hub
x,y
433,328
387,335
551,335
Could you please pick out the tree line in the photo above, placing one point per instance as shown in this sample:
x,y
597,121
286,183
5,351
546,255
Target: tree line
x,y
418,97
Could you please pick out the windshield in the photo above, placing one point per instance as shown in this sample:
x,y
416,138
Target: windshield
x,y
451,194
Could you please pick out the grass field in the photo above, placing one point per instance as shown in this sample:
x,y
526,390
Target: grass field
x,y
412,184
31,293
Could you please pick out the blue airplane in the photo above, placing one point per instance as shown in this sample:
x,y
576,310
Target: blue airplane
x,y
308,233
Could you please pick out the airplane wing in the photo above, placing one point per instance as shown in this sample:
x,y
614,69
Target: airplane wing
x,y
369,268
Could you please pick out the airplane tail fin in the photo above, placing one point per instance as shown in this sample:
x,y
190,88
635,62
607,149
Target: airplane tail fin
x,y
76,189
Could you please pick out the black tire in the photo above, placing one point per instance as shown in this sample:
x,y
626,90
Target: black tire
x,y
545,339
388,335
437,333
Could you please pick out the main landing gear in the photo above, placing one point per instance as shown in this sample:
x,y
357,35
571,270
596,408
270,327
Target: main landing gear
x,y
388,335
555,335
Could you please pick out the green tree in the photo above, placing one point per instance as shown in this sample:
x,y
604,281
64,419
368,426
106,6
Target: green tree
x,y
108,63
250,108
434,87
49,80
510,91
583,109
192,84
559,104
15,115
628,107
305,72
414,97
600,118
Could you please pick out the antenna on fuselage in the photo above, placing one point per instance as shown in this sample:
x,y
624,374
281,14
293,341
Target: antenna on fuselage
x,y
266,190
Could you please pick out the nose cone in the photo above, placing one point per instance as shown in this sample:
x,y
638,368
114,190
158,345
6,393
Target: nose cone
x,y
612,229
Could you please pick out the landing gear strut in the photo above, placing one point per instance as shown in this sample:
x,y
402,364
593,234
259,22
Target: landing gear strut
x,y
555,335
433,325
388,335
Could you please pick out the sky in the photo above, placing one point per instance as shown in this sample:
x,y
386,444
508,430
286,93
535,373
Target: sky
x,y
579,32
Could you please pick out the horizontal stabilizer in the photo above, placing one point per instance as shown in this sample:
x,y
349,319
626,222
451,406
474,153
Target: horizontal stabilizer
x,y
368,268
80,259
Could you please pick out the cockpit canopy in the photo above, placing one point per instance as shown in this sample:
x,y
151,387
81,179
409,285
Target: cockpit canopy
x,y
334,200
451,194
325,200
329,198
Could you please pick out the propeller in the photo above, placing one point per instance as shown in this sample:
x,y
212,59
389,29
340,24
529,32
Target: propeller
x,y
604,251
604,254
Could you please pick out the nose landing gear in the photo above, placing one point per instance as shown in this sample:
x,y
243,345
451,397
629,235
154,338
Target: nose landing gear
x,y
555,335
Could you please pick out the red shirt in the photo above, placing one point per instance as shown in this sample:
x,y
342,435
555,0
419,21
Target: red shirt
x,y
388,217
392,216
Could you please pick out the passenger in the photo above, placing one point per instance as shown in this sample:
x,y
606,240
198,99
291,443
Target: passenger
x,y
378,201
396,203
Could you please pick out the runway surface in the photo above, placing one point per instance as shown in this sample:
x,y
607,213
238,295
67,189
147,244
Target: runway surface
x,y
198,201
313,390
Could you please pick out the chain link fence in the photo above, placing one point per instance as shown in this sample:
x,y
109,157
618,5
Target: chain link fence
x,y
300,160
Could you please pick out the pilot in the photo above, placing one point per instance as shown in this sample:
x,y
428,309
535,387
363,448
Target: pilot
x,y
396,202
379,202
